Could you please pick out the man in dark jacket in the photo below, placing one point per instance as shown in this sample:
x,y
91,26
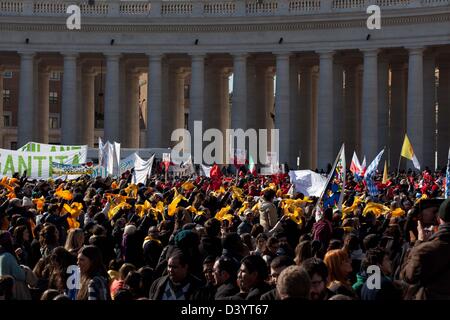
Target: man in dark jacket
x,y
179,284
225,275
211,244
427,268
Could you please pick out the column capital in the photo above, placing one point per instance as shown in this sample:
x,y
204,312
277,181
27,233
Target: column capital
x,y
239,55
112,55
415,50
44,70
283,54
27,54
69,54
326,53
197,56
155,56
370,52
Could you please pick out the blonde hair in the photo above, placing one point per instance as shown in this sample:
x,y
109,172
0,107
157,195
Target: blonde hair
x,y
75,240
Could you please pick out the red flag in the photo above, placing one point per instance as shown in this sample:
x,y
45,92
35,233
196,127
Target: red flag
x,y
215,172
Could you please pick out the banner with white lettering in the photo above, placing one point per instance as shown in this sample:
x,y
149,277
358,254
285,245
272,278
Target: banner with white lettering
x,y
37,164
46,148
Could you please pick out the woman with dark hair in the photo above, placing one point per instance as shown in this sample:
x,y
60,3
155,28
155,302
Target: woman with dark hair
x,y
94,278
48,239
22,244
252,277
303,251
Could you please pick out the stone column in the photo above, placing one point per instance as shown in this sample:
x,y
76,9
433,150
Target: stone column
x,y
415,110
26,101
69,112
131,128
239,99
369,111
324,123
154,102
88,97
397,112
270,98
443,137
224,106
297,119
306,119
252,93
112,98
197,101
338,109
383,106
351,120
197,97
315,121
42,115
282,106
180,75
429,112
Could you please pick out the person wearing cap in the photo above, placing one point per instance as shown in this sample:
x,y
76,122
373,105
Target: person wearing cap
x,y
427,268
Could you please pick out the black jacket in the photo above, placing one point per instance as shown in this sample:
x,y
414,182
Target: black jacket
x,y
226,290
158,286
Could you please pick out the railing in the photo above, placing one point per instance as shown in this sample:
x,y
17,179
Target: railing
x,y
11,7
261,7
176,8
135,8
219,8
203,8
348,4
304,6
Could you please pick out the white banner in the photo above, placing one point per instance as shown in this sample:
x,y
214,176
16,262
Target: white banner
x,y
142,169
47,148
307,182
37,164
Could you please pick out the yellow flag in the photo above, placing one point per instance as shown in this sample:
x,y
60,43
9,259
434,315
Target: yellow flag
x,y
385,173
407,149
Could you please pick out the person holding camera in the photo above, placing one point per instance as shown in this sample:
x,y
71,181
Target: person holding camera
x,y
427,267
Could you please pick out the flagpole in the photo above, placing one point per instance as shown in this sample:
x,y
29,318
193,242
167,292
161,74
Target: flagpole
x,y
399,161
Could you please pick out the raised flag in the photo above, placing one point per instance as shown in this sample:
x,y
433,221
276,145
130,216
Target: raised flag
x,y
385,173
355,166
333,193
370,172
252,166
408,152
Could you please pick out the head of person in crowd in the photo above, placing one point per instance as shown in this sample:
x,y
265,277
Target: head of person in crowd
x,y
377,257
178,267
444,212
318,274
225,270
212,228
208,270
334,244
21,235
273,244
370,241
268,195
293,284
233,246
6,242
91,265
253,272
48,237
133,282
247,240
74,240
261,243
257,229
277,266
339,266
303,251
50,294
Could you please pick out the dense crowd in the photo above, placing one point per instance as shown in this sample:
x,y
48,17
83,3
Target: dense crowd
x,y
231,237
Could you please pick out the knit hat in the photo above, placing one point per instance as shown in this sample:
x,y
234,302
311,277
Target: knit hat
x,y
444,210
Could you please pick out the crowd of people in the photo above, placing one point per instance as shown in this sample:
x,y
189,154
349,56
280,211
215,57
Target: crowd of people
x,y
230,237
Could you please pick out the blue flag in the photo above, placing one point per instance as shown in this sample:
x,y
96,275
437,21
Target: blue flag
x,y
447,177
